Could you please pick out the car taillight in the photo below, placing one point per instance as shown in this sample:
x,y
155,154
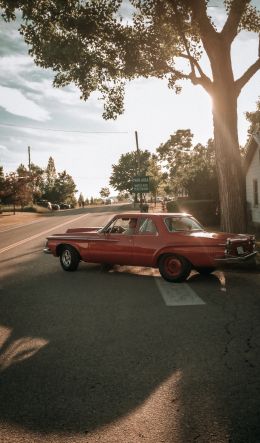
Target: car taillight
x,y
228,246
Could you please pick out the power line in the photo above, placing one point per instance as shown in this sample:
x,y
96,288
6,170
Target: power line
x,y
62,130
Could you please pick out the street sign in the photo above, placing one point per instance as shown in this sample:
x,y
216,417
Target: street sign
x,y
141,184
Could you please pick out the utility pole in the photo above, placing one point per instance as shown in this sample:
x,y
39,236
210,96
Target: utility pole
x,y
30,175
138,153
29,158
139,167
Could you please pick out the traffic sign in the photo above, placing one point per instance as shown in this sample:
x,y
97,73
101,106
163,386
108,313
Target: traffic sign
x,y
141,184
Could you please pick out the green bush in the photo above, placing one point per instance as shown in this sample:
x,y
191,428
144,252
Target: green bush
x,y
29,209
203,210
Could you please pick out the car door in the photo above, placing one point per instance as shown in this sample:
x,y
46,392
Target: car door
x,y
146,242
114,245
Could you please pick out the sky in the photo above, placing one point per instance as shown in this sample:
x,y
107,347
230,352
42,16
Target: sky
x,y
55,122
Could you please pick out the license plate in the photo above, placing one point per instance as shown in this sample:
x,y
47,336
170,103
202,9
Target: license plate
x,y
240,250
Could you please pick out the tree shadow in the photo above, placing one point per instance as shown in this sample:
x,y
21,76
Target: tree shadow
x,y
80,350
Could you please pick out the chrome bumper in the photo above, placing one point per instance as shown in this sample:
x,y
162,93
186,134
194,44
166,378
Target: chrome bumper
x,y
47,250
241,259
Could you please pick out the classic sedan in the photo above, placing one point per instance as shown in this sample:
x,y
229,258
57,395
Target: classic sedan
x,y
175,243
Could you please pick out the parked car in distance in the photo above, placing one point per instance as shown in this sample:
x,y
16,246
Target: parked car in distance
x,y
44,203
55,207
64,206
175,243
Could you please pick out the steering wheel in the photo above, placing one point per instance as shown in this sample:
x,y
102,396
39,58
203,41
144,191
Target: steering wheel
x,y
117,230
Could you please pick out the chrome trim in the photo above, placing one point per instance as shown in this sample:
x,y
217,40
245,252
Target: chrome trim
x,y
47,250
64,238
240,259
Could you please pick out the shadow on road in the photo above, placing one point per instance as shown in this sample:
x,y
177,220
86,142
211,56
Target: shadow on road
x,y
80,350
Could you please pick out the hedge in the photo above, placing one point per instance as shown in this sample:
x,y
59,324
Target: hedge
x,y
203,210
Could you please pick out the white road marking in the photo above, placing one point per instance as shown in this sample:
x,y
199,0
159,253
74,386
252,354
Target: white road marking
x,y
14,245
177,294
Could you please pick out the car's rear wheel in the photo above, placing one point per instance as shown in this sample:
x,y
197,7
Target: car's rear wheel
x,y
174,268
69,258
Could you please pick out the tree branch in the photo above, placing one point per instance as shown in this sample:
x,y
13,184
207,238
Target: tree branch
x,y
230,28
204,81
240,83
182,35
199,16
196,63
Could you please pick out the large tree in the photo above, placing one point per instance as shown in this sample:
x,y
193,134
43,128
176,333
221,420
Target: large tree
x,y
87,43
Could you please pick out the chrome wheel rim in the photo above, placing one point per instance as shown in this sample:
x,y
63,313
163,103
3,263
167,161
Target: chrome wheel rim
x,y
66,258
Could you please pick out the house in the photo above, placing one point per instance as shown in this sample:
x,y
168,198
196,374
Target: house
x,y
252,171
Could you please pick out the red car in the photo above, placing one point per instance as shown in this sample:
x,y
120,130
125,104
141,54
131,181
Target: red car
x,y
175,243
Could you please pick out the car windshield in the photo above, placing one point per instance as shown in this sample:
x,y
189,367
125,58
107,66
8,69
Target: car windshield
x,y
182,223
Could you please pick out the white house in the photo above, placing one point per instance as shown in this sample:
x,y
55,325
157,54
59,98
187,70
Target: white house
x,y
252,170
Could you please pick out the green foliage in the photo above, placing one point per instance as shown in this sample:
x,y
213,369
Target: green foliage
x,y
2,177
122,175
64,187
81,201
254,119
16,190
57,187
25,186
156,175
191,170
88,43
205,211
104,192
29,209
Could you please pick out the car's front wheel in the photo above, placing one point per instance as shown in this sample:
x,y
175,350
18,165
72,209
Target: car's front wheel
x,y
174,268
69,258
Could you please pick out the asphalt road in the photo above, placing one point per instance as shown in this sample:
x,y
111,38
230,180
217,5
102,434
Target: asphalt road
x,y
122,356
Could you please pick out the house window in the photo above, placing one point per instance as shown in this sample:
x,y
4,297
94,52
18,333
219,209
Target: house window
x,y
255,192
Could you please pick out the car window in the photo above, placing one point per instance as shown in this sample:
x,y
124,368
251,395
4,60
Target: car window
x,y
182,223
124,225
147,226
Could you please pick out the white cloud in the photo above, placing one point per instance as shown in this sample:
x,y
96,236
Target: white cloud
x,y
3,148
16,103
13,67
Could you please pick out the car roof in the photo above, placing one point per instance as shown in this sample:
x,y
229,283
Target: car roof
x,y
153,214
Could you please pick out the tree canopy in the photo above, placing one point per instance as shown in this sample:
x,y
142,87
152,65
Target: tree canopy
x,y
190,169
104,192
92,45
26,186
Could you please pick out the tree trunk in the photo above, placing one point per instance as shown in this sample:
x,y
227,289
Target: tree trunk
x,y
231,178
